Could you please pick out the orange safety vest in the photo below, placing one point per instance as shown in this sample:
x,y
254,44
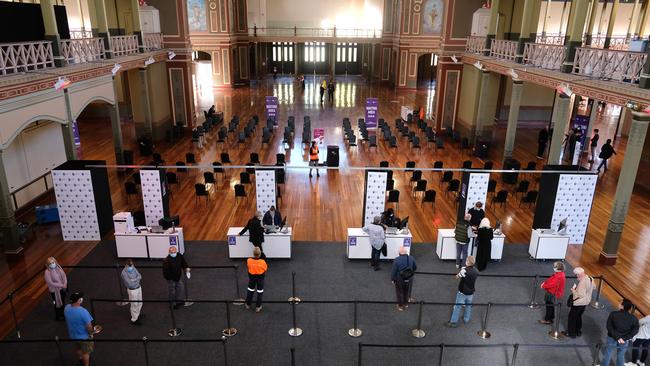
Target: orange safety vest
x,y
256,266
313,153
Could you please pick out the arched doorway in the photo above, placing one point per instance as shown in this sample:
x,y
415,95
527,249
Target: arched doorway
x,y
202,81
427,69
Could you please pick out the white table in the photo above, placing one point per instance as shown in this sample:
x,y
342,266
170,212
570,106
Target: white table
x,y
446,245
276,245
547,245
148,245
358,246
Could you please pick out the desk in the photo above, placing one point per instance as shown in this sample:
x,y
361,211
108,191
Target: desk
x,y
276,245
358,246
446,245
148,245
547,245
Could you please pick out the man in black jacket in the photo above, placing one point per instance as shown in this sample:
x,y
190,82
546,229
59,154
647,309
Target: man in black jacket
x,y
272,217
465,295
621,327
402,276
606,152
173,266
542,140
255,229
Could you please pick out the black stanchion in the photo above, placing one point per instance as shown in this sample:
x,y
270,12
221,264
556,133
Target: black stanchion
x,y
188,302
596,362
596,304
293,297
13,313
555,332
119,286
225,350
418,332
514,355
295,331
174,331
355,331
293,356
533,303
238,300
146,351
359,354
483,333
229,331
58,348
442,354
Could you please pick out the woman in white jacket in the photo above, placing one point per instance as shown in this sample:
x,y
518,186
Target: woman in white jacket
x,y
641,343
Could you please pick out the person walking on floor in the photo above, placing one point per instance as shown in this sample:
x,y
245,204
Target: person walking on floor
x,y
484,237
580,298
57,285
465,295
80,328
313,158
593,144
640,343
255,230
462,234
621,327
173,267
131,279
257,268
404,268
606,152
542,140
377,237
553,291
323,87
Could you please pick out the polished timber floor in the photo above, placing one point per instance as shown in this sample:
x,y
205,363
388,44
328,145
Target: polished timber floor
x,y
322,273
320,209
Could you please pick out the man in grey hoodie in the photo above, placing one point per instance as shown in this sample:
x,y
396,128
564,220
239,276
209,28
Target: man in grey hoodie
x,y
131,280
377,237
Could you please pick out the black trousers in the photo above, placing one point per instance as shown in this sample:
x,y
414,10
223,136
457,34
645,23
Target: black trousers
x,y
402,289
58,311
549,300
255,283
640,346
374,257
575,320
541,147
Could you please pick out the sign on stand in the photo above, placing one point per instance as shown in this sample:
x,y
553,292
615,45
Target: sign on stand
x,y
272,109
371,113
319,135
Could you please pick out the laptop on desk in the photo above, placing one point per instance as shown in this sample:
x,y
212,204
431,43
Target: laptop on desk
x,y
270,229
392,230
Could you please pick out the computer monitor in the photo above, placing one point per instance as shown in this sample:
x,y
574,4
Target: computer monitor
x,y
561,229
404,223
169,221
283,223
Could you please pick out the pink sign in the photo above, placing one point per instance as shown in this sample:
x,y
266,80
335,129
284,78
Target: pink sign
x,y
319,135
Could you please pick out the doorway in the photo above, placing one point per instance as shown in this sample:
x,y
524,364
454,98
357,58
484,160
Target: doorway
x,y
427,69
348,60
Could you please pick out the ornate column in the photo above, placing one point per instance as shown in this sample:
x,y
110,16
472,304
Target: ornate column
x,y
610,24
624,187
144,102
513,117
51,30
574,33
102,26
524,32
590,127
68,131
137,29
494,24
592,22
484,115
641,24
114,111
8,232
559,123
92,13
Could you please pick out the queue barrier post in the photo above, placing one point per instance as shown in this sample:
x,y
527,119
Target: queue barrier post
x,y
225,350
555,332
13,313
418,332
514,355
119,286
229,331
293,298
188,301
596,362
442,354
238,300
533,303
294,331
483,333
174,331
355,331
146,351
58,348
293,356
596,304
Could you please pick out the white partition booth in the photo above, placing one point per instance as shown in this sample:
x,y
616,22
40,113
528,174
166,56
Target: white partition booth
x,y
276,245
358,246
142,243
548,244
446,245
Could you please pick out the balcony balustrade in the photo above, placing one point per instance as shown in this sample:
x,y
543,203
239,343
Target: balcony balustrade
x,y
545,56
25,56
124,45
622,66
76,51
475,44
152,41
506,50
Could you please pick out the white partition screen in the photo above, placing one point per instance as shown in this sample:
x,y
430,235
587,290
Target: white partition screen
x,y
76,203
575,195
265,189
374,200
152,196
477,189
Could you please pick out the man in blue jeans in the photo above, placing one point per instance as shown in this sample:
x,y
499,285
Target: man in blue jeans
x,y
621,327
465,295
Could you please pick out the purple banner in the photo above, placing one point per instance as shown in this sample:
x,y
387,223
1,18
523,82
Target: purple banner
x,y
371,112
581,122
75,132
272,108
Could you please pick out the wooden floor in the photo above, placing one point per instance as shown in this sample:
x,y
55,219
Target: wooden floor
x,y
320,209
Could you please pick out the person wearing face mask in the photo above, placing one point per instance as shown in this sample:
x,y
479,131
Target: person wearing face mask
x,y
255,230
57,284
131,280
173,266
80,328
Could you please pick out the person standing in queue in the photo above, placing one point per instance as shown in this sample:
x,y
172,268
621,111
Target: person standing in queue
x,y
377,237
581,296
173,267
484,237
272,217
462,234
622,326
542,140
465,295
553,291
404,268
330,90
323,87
257,268
131,279
255,230
313,158
80,328
57,284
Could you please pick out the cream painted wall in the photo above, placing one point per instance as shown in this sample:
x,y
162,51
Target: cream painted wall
x,y
159,93
78,17
342,13
620,27
134,92
257,13
469,93
533,95
19,112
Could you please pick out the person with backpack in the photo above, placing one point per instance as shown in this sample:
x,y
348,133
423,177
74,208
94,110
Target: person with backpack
x,y
404,268
465,295
606,153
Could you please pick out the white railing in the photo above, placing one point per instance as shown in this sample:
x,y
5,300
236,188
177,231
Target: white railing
x,y
623,66
503,49
475,44
80,33
315,32
17,57
550,38
124,45
76,51
152,41
546,56
621,43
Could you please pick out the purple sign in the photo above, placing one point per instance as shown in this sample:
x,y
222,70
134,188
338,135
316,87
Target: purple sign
x,y
232,240
581,122
75,132
407,242
371,112
272,108
173,241
352,241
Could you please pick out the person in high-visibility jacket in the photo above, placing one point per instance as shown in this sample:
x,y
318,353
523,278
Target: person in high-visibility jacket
x,y
256,270
313,158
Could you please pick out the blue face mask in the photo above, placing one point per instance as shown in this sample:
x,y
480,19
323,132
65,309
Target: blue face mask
x,y
173,255
130,268
52,265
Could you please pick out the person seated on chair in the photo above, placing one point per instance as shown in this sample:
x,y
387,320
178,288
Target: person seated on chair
x,y
272,217
388,218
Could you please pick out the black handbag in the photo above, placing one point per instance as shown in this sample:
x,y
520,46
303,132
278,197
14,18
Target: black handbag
x,y
569,301
384,250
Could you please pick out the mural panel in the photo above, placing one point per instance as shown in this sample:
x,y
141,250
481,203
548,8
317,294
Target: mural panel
x,y
196,18
432,17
